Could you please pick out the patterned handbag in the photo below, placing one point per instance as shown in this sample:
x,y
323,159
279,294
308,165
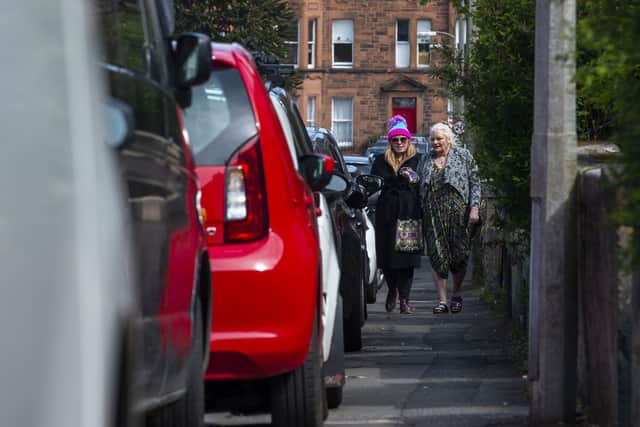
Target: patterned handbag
x,y
409,236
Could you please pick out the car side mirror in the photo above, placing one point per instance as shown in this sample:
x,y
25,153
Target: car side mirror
x,y
119,123
371,183
192,53
337,184
357,197
317,170
353,170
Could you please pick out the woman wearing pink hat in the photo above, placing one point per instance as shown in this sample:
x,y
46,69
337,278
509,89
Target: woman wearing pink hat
x,y
399,199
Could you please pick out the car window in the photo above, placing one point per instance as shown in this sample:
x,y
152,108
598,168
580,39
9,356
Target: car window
x,y
121,32
286,127
220,118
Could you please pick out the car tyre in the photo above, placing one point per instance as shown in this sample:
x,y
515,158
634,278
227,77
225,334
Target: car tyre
x,y
372,288
334,397
336,358
190,407
188,411
353,324
298,398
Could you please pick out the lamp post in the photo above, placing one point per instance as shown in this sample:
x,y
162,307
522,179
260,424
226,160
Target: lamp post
x,y
456,109
437,33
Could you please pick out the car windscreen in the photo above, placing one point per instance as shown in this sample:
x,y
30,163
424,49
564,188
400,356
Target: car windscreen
x,y
220,118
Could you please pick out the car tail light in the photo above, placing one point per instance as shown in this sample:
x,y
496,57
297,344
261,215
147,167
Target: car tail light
x,y
245,197
329,164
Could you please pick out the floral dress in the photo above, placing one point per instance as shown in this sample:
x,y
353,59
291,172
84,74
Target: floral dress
x,y
445,226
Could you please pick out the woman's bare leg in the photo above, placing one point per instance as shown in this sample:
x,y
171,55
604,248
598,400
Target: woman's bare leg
x,y
458,278
442,286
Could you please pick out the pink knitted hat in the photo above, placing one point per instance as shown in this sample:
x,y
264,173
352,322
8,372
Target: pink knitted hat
x,y
398,126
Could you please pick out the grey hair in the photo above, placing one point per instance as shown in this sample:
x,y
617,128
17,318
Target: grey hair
x,y
446,130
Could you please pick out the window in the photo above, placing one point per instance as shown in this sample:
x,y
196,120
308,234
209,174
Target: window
x,y
224,97
423,43
342,32
311,43
311,110
402,43
342,120
292,49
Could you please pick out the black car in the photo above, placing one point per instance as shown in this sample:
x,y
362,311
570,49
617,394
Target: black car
x,y
149,76
358,165
348,216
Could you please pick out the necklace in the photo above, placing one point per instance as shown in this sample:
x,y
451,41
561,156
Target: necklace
x,y
440,161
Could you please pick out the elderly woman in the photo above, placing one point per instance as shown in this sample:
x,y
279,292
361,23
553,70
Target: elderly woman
x,y
398,200
450,194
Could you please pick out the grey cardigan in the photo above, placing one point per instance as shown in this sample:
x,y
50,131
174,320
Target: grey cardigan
x,y
460,171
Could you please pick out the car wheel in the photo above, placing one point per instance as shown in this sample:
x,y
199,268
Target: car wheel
x,y
335,364
353,324
334,397
372,289
298,398
190,408
363,298
188,411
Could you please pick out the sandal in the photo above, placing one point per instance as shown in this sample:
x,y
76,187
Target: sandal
x,y
440,308
456,304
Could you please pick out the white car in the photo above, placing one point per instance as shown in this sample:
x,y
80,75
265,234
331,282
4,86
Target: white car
x,y
333,339
375,274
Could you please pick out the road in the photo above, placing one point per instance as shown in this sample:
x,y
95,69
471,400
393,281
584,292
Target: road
x,y
425,370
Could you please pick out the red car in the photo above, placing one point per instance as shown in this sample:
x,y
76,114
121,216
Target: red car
x,y
260,221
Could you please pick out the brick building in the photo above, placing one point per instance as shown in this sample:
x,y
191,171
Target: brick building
x,y
363,61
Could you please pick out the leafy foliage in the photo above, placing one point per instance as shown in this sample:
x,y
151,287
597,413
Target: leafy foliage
x,y
497,85
258,25
610,82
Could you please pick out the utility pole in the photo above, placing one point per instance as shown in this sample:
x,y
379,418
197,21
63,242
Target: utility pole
x,y
553,300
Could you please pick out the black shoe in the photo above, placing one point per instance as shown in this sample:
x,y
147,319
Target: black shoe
x,y
440,308
390,304
456,304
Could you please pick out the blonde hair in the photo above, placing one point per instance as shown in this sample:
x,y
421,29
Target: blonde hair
x,y
395,160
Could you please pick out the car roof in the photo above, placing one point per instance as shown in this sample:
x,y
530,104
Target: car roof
x,y
357,159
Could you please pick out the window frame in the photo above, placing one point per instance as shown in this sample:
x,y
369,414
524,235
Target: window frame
x,y
312,31
420,42
289,43
335,64
311,111
406,44
346,144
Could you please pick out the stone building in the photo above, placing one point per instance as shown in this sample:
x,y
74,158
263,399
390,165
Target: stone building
x,y
363,61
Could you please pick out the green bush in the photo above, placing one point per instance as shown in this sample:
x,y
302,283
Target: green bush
x,y
497,86
609,82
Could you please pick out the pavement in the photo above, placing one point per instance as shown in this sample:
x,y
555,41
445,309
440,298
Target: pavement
x,y
424,369
432,370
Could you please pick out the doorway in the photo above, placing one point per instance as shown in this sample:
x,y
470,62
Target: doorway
x,y
406,107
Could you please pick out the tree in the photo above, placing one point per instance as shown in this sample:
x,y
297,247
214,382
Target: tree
x,y
259,25
610,81
497,86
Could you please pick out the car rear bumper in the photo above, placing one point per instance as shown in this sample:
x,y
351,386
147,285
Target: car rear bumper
x,y
265,298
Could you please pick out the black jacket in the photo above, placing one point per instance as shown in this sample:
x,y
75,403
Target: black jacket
x,y
398,199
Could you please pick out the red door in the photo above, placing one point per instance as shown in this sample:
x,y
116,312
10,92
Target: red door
x,y
406,107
